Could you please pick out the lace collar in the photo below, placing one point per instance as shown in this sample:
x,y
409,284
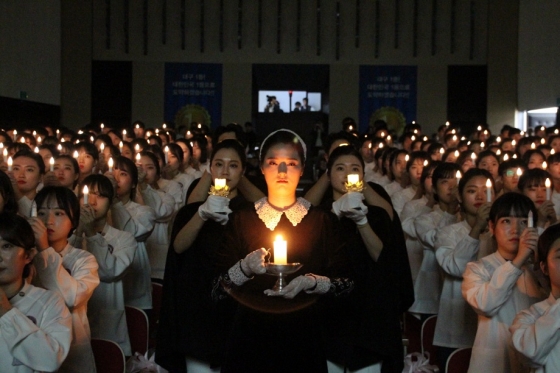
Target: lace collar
x,y
270,215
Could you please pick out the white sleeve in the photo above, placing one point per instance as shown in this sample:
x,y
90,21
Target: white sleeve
x,y
399,200
535,334
113,257
40,347
140,225
453,256
75,288
162,203
486,294
409,213
24,207
427,228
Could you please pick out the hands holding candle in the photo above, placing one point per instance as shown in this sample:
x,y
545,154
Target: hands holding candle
x,y
215,208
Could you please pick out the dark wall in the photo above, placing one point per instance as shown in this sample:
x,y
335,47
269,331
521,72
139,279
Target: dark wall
x,y
111,92
16,113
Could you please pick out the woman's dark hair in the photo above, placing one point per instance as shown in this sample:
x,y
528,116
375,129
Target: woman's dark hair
x,y
176,150
384,157
424,156
472,173
231,144
89,149
142,143
463,157
484,154
393,158
154,159
447,153
341,135
35,156
17,231
66,200
529,153
553,158
157,139
106,139
202,144
8,194
512,204
546,240
187,144
426,171
74,163
435,148
230,127
282,137
342,151
445,170
511,163
532,178
101,183
51,148
127,165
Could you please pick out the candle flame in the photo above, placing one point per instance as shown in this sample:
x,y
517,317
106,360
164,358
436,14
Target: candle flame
x,y
488,183
519,171
547,183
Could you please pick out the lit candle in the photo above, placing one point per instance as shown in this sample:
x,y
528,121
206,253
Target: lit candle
x,y
59,147
506,157
15,135
456,153
552,151
519,172
380,145
189,135
34,209
447,124
406,158
76,154
354,179
164,126
515,156
137,126
10,163
36,150
482,145
102,146
137,148
473,156
219,184
388,137
441,151
350,128
513,142
199,125
498,139
91,139
543,141
39,139
22,140
102,126
123,133
533,146
488,190
86,194
544,165
530,219
1,145
458,176
498,152
51,162
486,132
479,128
547,184
413,138
369,145
166,153
426,163
138,157
425,138
280,251
5,152
454,138
110,163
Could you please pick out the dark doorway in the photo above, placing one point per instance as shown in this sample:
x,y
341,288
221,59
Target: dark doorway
x,y
111,93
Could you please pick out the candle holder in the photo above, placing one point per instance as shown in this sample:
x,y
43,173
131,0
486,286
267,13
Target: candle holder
x,y
354,187
222,192
281,271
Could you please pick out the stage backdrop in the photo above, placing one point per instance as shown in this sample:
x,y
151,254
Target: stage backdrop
x,y
193,92
387,93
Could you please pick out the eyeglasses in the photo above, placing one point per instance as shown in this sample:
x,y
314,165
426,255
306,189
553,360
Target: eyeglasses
x,y
510,173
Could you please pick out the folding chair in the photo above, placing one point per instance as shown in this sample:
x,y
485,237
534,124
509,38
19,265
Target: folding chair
x,y
109,357
458,361
157,293
138,329
428,331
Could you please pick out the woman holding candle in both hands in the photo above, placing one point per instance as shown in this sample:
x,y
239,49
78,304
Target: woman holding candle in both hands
x,y
27,172
456,245
65,269
193,330
363,331
290,327
114,251
533,184
502,284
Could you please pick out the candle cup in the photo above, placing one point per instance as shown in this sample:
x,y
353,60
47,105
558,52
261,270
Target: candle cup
x,y
219,188
353,184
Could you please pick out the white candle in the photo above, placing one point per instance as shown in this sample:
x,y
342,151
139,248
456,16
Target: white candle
x,y
102,146
137,148
59,147
5,152
519,172
39,139
34,210
110,163
51,162
102,126
166,153
76,154
458,176
86,194
123,133
530,219
138,158
120,146
547,184
15,135
354,179
10,163
164,126
219,184
280,251
488,190
36,150
544,165
406,158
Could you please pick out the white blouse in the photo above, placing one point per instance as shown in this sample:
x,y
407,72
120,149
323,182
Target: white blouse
x,y
497,291
536,335
72,273
35,335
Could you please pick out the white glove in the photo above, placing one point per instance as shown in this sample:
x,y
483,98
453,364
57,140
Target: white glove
x,y
254,262
215,208
350,205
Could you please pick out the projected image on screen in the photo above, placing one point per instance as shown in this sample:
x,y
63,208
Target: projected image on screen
x,y
281,102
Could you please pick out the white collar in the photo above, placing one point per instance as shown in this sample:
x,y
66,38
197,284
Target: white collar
x,y
270,215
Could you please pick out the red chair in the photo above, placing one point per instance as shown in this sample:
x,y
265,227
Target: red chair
x,y
138,329
109,357
428,331
459,361
157,293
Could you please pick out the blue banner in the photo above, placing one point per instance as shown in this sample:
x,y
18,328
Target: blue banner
x,y
387,93
193,93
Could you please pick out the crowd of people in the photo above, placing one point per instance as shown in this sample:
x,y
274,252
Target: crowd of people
x,y
459,227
